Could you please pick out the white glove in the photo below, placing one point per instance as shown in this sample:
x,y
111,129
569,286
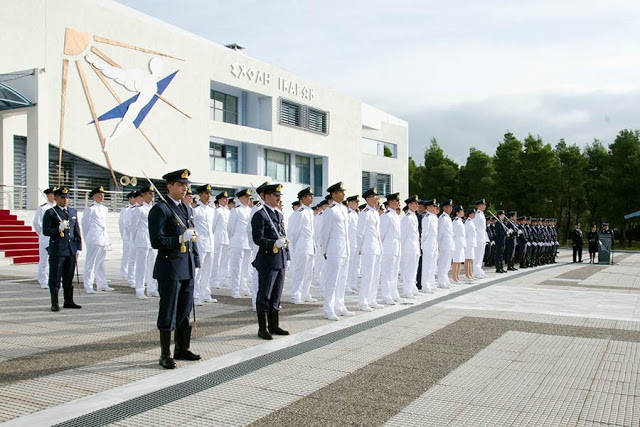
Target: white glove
x,y
63,225
280,242
187,235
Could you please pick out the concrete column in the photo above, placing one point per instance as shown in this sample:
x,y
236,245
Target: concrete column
x,y
38,145
6,162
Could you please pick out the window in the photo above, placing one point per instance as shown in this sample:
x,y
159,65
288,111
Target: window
x,y
381,181
278,165
304,117
366,181
303,170
317,176
224,108
379,148
223,158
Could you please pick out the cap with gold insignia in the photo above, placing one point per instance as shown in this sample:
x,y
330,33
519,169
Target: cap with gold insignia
x,y
232,201
261,187
392,196
500,212
295,203
511,213
222,195
181,175
189,191
431,202
355,198
61,192
338,186
458,208
49,190
480,202
273,189
447,202
243,192
327,197
470,211
412,199
370,192
305,192
204,189
322,203
136,193
96,191
146,189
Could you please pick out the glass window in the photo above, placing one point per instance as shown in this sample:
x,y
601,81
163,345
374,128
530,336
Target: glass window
x,y
278,165
303,170
223,158
317,176
383,183
290,113
317,121
224,108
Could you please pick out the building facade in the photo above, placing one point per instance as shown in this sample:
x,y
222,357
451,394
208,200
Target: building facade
x,y
79,74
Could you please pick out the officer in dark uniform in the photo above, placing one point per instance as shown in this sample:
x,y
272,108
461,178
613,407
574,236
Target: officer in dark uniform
x,y
420,213
271,261
172,233
500,236
61,225
577,240
512,240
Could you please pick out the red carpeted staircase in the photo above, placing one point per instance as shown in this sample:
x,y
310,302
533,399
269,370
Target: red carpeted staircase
x,y
18,242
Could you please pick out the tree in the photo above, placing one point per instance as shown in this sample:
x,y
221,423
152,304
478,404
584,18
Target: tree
x,y
415,177
572,180
387,151
440,173
597,183
508,166
477,177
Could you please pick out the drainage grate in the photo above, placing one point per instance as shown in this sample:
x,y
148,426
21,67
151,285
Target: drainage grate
x,y
149,401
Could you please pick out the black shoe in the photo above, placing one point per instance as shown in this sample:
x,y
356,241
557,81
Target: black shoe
x,y
183,339
70,304
55,307
167,362
54,303
262,326
264,334
274,324
185,355
499,271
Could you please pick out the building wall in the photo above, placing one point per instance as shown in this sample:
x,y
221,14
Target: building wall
x,y
38,28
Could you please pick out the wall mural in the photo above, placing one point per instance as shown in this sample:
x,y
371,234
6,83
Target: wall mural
x,y
147,86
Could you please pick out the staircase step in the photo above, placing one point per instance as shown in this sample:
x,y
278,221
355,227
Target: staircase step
x,y
13,239
6,217
21,252
15,227
18,245
30,259
17,234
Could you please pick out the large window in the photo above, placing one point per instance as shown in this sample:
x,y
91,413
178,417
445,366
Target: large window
x,y
303,170
223,158
303,117
379,148
224,108
317,176
381,181
278,165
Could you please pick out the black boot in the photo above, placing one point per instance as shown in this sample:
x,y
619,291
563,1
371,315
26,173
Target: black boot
x,y
165,350
67,292
262,326
274,324
54,302
183,339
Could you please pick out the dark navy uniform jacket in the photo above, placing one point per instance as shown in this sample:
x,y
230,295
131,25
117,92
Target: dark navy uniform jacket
x,y
500,233
165,232
264,235
72,240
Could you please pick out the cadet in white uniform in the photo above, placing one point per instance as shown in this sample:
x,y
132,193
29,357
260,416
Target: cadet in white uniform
x,y
302,248
43,241
239,249
221,241
319,260
410,248
460,243
390,237
353,269
445,244
429,245
130,226
94,233
145,254
481,238
203,218
124,234
469,252
334,242
369,247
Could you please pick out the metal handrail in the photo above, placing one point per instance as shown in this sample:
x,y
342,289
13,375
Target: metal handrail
x,y
78,198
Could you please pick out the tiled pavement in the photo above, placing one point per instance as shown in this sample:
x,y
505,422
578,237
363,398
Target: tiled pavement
x,y
551,346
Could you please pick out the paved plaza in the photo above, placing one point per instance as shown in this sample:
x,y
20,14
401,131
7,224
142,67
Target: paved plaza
x,y
556,345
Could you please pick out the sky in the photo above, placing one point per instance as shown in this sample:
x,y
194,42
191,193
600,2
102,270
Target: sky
x,y
462,72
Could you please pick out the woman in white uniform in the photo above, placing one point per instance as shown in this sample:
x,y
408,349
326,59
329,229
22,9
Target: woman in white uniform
x,y
470,250
460,243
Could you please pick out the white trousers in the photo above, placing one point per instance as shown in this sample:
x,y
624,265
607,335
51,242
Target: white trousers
x,y
389,277
124,262
145,260
409,270
318,265
334,279
43,264
429,258
201,287
353,270
239,260
253,277
444,266
220,265
370,265
94,267
301,276
477,261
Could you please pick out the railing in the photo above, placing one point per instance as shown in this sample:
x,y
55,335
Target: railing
x,y
14,197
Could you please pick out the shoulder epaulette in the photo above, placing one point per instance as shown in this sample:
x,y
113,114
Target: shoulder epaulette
x,y
43,205
366,209
331,206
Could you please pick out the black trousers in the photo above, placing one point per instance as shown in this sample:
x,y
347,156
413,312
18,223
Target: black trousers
x,y
176,302
270,285
499,254
61,268
419,275
577,252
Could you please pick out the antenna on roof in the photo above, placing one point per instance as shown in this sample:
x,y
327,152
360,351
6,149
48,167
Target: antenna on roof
x,y
235,46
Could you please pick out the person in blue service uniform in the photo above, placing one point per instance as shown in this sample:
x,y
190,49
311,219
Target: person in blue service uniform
x,y
61,225
268,233
502,233
172,233
512,240
577,240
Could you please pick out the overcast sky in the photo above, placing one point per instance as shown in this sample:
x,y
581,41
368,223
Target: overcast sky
x,y
464,72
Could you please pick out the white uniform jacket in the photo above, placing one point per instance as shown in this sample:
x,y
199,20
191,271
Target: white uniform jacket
x,y
140,226
445,233
429,239
94,225
317,229
220,225
203,217
37,222
409,235
390,233
122,222
481,229
300,231
470,233
237,227
368,233
334,239
353,230
459,235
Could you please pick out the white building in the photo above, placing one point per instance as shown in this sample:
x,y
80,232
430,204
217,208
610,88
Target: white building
x,y
232,120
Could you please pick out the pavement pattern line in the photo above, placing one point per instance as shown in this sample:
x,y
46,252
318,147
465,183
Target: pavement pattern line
x,y
378,391
136,405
